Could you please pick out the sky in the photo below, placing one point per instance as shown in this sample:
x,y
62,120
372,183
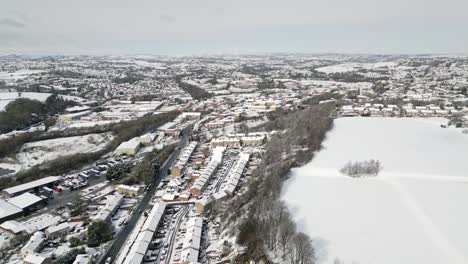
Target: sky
x,y
189,27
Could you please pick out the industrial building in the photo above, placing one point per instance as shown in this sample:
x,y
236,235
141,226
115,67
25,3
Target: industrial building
x,y
56,231
31,186
28,202
9,211
34,244
129,148
129,191
112,204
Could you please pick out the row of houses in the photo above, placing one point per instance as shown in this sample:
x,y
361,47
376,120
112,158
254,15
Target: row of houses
x,y
229,186
236,173
184,156
192,240
137,251
394,110
205,176
207,172
239,140
231,182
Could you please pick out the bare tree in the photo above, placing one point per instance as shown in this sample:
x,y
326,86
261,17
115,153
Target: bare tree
x,y
287,229
301,251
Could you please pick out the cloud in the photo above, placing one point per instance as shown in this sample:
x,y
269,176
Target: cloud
x,y
167,18
12,23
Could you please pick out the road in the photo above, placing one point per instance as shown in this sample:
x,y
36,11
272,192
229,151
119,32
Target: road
x,y
173,233
221,179
143,205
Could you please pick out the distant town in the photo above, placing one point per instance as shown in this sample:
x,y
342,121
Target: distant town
x,y
156,159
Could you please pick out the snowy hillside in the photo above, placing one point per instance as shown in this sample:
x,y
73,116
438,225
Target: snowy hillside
x,y
38,152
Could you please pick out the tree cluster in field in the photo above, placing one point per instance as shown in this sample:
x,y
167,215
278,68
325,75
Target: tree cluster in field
x,y
266,222
122,132
23,112
362,168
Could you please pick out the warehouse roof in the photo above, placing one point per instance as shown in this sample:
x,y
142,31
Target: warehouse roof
x,y
35,259
12,226
25,200
133,143
7,209
31,185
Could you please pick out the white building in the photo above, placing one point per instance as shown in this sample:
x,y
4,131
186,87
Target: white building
x,y
34,244
55,231
82,259
112,204
129,148
36,259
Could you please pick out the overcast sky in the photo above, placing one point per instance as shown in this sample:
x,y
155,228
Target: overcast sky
x,y
184,27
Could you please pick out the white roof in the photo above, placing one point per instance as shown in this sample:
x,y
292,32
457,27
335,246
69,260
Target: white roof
x,y
31,185
134,258
56,228
82,259
7,209
76,108
128,187
218,153
34,243
40,222
25,200
34,259
168,125
13,226
168,197
133,143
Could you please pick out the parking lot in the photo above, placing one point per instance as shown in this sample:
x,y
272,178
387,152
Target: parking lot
x,y
163,249
216,182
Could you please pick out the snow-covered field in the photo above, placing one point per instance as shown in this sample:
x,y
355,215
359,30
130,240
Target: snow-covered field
x,y
413,212
38,152
20,74
349,67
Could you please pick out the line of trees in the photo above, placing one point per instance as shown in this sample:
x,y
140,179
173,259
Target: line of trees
x,y
24,112
143,172
266,222
194,91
